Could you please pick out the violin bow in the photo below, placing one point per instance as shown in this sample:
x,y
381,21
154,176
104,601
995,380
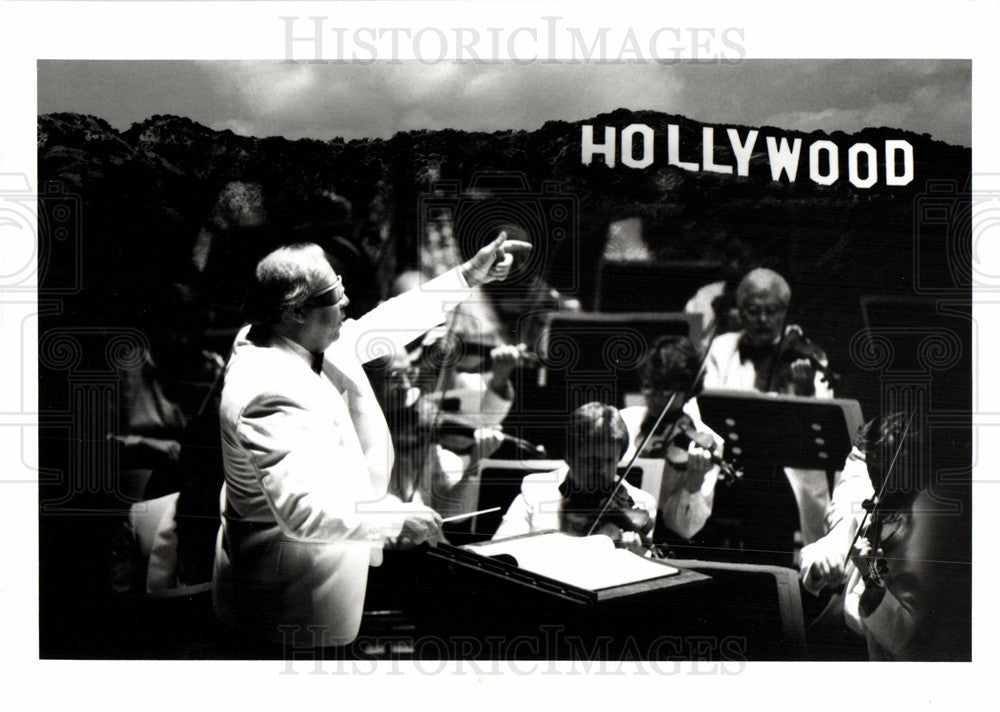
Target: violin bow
x,y
620,479
218,368
881,489
437,395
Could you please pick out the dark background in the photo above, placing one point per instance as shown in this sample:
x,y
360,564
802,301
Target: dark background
x,y
122,212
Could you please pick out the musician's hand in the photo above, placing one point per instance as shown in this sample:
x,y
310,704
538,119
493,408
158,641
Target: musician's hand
x,y
821,565
802,370
631,541
505,357
622,539
422,524
699,462
490,264
863,556
487,441
146,449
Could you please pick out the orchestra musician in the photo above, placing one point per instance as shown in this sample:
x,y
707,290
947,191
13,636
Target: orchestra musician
x,y
770,355
909,579
444,401
669,375
443,424
758,356
570,498
306,449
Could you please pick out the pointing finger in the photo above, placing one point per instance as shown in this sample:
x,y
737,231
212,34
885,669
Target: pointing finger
x,y
518,247
498,241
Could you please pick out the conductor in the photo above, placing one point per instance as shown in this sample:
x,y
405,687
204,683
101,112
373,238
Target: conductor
x,y
306,448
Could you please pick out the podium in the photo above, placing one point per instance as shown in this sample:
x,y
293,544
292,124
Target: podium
x,y
463,605
488,607
494,560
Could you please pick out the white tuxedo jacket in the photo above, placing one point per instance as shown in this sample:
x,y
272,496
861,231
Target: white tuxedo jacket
x,y
724,369
307,460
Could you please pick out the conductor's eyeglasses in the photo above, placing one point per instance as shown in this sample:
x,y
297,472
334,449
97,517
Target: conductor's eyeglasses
x,y
329,297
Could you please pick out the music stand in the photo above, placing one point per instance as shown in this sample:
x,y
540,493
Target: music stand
x,y
584,357
766,434
592,350
790,431
664,286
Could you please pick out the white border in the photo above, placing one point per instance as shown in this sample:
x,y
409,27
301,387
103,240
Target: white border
x,y
227,30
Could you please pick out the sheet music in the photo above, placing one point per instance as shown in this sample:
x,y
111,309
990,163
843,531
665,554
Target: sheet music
x,y
591,562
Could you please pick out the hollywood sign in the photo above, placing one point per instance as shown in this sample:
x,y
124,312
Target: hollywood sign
x,y
865,165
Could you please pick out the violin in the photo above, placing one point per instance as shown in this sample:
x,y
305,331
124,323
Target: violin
x,y
675,450
460,439
795,346
479,356
623,514
468,354
581,510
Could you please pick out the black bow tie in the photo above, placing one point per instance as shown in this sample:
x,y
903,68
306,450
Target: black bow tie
x,y
754,353
317,362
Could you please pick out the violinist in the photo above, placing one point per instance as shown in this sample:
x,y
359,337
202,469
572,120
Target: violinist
x,y
772,356
668,376
441,435
570,498
768,354
909,589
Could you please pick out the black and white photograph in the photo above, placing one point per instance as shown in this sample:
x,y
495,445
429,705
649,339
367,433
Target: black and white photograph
x,y
500,343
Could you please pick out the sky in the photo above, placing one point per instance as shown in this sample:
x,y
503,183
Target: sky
x,y
261,98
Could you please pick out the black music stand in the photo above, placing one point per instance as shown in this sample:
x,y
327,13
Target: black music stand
x,y
663,286
583,357
755,520
481,598
790,431
500,569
